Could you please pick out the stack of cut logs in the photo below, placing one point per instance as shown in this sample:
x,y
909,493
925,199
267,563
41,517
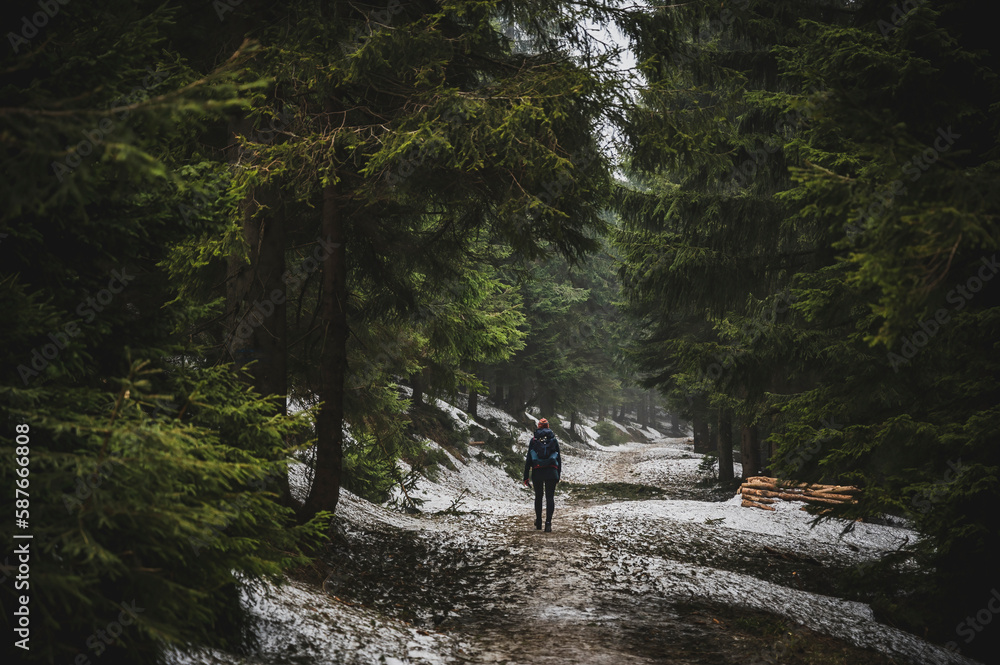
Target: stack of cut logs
x,y
761,492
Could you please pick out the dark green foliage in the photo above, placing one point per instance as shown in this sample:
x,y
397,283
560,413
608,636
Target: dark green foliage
x,y
569,360
805,290
154,475
154,491
609,434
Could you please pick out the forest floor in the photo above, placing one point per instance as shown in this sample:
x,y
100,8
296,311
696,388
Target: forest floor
x,y
645,564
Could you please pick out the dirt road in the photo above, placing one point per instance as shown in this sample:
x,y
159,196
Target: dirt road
x,y
593,591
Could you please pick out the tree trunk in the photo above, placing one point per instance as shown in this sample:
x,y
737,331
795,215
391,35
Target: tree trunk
x,y
770,450
572,426
515,398
472,408
750,451
496,390
546,403
417,381
602,411
725,446
675,425
651,410
333,364
702,441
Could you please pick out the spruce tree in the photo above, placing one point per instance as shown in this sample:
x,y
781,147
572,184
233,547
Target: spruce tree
x,y
144,469
413,130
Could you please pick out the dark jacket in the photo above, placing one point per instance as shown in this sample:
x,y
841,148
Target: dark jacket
x,y
547,473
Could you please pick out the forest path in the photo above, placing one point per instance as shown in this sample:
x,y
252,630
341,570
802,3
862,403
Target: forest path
x,y
594,592
555,606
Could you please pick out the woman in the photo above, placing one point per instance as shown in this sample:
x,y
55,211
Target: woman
x,y
544,464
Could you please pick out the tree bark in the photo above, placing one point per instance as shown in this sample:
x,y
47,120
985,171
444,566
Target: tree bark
x,y
515,397
702,441
750,451
572,426
417,381
472,407
333,363
675,425
726,472
602,411
546,403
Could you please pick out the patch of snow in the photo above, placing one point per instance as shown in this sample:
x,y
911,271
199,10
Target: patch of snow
x,y
460,418
300,624
787,525
590,435
621,428
487,411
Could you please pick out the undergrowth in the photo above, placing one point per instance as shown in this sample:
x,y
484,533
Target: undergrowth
x,y
609,435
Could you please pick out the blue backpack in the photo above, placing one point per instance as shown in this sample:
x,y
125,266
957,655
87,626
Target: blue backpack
x,y
544,454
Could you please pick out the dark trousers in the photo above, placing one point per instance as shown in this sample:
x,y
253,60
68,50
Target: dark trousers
x,y
549,485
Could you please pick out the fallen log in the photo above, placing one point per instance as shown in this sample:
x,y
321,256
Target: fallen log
x,y
761,491
753,491
776,485
841,489
843,498
816,499
791,496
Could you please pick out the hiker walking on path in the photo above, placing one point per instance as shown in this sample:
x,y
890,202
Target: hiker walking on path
x,y
544,464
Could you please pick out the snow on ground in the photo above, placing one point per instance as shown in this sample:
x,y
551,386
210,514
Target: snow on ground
x,y
693,526
460,418
590,435
847,620
488,412
678,549
475,487
299,624
361,514
621,428
787,523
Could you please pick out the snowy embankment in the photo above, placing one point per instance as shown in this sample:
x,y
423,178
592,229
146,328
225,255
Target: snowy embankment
x,y
634,531
672,549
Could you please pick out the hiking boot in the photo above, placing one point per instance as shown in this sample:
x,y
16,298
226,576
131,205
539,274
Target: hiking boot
x,y
548,527
538,523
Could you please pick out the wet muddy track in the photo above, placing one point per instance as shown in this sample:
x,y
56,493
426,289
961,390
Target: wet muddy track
x,y
518,595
